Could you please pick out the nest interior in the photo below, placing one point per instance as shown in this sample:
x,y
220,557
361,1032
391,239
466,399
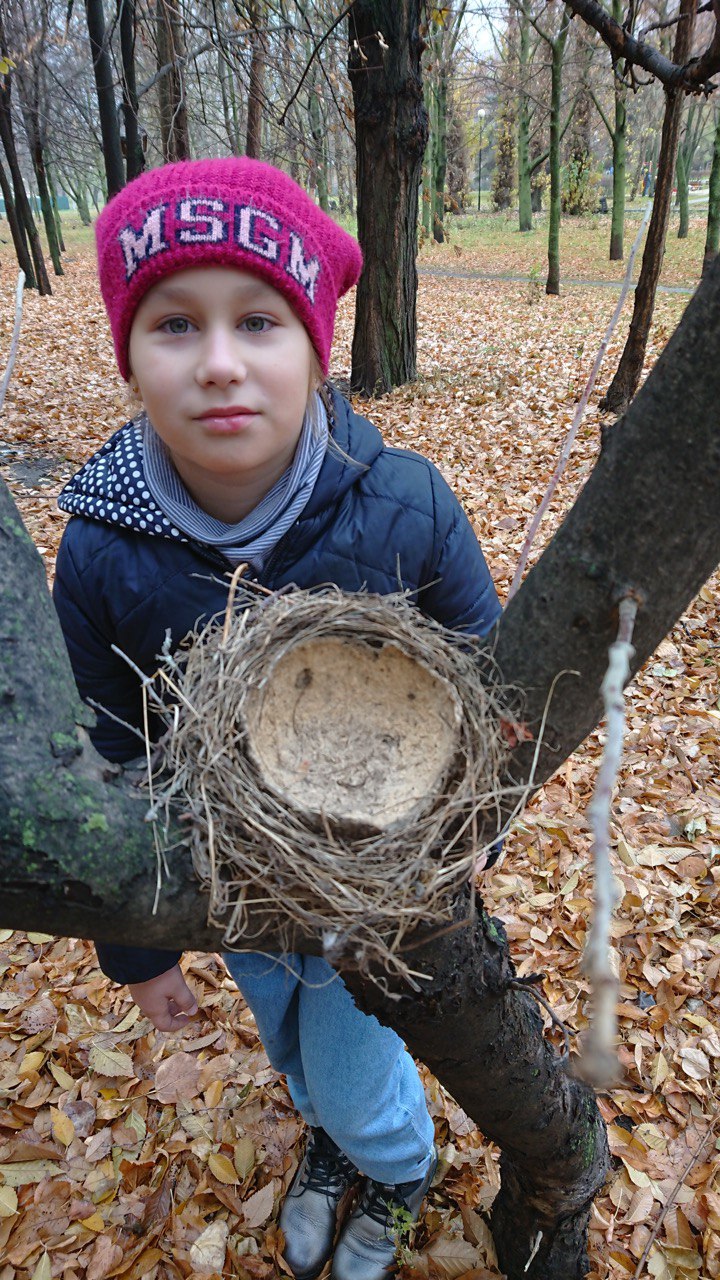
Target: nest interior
x,y
342,761
360,733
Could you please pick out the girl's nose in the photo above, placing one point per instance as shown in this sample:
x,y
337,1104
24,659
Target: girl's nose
x,y
220,360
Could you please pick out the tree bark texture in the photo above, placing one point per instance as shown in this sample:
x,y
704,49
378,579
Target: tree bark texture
x,y
76,854
628,373
104,83
134,154
712,239
391,130
171,90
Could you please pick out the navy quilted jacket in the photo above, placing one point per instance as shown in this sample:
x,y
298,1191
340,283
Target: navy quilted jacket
x,y
379,519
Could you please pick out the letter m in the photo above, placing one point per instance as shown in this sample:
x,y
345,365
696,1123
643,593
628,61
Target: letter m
x,y
138,246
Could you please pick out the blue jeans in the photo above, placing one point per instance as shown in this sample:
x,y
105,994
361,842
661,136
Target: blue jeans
x,y
345,1072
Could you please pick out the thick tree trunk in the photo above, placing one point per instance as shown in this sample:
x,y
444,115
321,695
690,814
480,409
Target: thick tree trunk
x,y
75,853
17,231
171,89
628,373
55,207
391,133
105,85
134,154
557,46
712,239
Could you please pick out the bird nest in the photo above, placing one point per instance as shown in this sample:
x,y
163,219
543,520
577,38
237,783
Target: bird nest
x,y
339,757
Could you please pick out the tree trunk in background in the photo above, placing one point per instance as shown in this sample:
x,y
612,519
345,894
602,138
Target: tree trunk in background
x,y
76,852
504,175
557,47
46,204
258,58
525,207
712,240
627,377
55,207
134,154
171,90
17,231
619,154
104,83
23,211
229,101
391,133
440,156
318,133
682,173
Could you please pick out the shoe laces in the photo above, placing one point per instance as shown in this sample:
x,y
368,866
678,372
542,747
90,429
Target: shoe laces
x,y
327,1170
383,1201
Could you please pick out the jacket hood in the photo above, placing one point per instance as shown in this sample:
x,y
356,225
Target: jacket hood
x,y
110,487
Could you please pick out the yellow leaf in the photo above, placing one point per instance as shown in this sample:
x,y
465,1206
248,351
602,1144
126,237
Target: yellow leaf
x,y
6,934
110,1062
62,1127
8,1202
660,1071
40,937
213,1093
43,1270
244,1157
21,1172
95,1222
61,1075
31,1063
128,1021
223,1169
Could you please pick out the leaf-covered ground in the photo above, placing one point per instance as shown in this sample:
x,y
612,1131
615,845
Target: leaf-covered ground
x,y
130,1153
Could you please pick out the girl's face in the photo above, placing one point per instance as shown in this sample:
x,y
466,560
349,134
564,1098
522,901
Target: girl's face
x,y
225,368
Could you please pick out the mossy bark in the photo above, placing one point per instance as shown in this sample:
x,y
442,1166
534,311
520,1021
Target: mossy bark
x,y
712,239
557,47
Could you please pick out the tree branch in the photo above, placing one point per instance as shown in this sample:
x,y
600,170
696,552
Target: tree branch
x,y
693,77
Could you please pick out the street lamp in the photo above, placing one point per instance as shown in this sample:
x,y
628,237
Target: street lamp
x,y
481,117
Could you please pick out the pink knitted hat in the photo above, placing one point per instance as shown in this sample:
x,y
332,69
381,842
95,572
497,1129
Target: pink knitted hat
x,y
236,212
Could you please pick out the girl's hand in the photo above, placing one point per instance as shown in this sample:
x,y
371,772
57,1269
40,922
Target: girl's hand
x,y
166,1000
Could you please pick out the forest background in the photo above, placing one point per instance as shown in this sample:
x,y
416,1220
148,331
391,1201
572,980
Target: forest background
x,y
125,1152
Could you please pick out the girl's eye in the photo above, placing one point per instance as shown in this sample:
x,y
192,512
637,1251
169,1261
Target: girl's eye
x,y
176,324
257,324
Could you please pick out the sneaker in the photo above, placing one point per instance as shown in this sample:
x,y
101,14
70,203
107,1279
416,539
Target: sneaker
x,y
308,1217
368,1244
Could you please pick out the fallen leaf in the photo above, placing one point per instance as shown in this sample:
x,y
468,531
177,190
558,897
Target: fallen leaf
x,y
222,1168
258,1207
110,1062
177,1078
208,1251
22,1172
8,1202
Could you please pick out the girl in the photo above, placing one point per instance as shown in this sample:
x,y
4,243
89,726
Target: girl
x,y
221,279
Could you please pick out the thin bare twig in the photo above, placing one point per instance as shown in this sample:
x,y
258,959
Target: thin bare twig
x,y
14,340
579,414
696,1155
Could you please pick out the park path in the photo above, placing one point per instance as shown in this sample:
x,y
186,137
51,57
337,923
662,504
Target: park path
x,y
452,274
